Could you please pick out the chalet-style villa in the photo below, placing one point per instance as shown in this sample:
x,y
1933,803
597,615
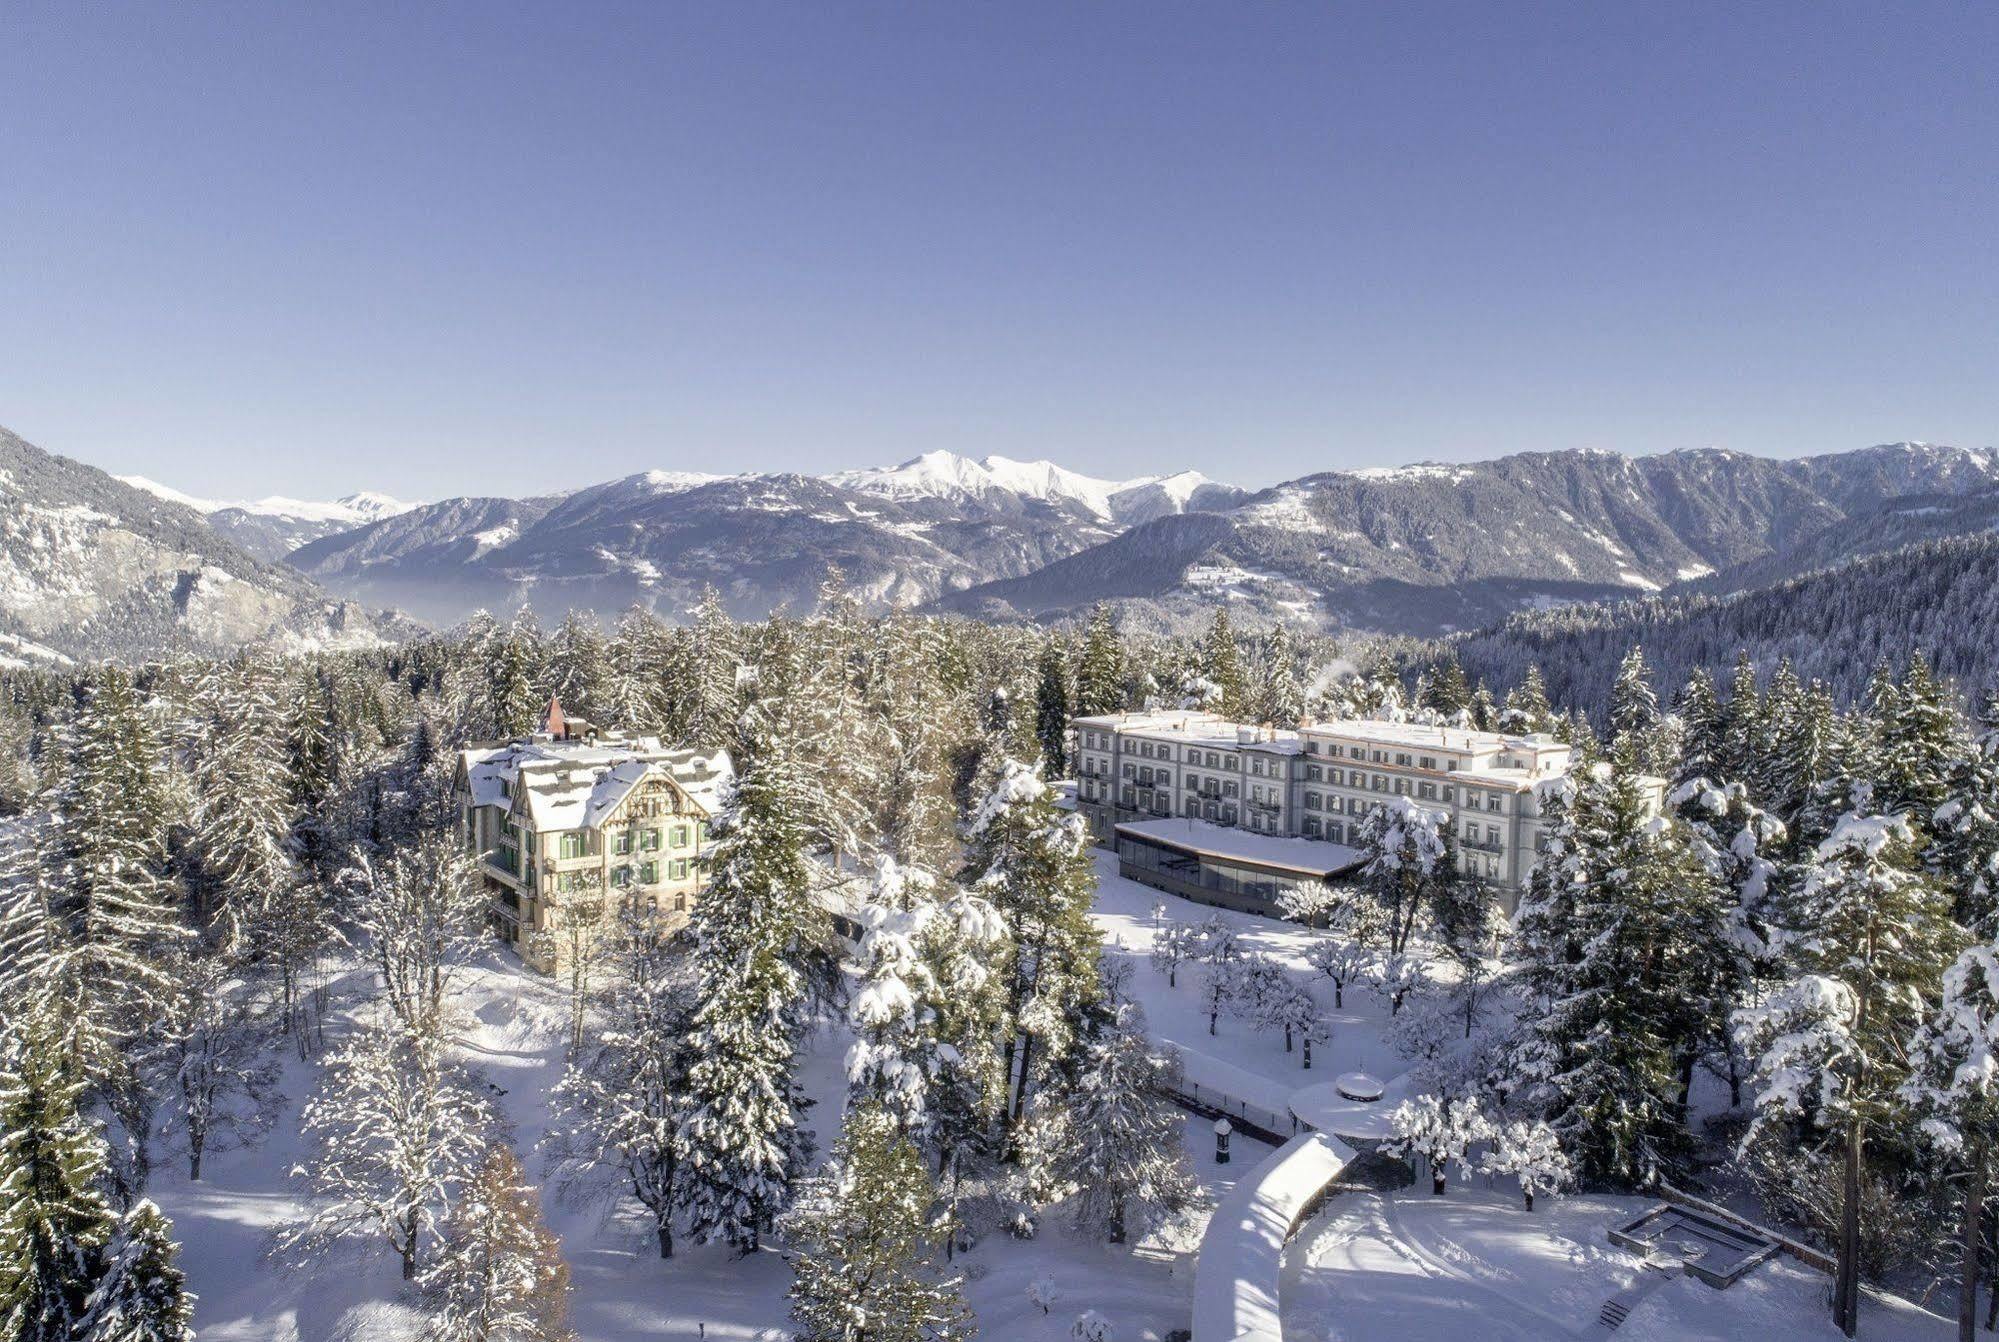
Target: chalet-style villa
x,y
571,825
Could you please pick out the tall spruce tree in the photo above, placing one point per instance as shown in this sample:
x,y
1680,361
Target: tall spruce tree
x,y
1619,929
865,1268
742,1143
1221,666
1032,862
1100,672
1527,708
1870,938
54,1221
1127,1154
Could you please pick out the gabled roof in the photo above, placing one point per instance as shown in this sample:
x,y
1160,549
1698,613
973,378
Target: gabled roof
x,y
576,785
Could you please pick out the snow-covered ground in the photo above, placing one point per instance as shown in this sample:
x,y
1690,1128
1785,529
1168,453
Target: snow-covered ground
x,y
623,1292
1476,1264
1412,1267
1237,1056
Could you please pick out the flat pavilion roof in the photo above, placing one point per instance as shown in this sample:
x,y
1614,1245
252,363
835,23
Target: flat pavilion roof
x,y
1310,857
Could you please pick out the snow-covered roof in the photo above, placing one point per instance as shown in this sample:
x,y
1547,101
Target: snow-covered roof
x,y
1210,731
1240,1266
1313,857
578,784
1427,736
1213,731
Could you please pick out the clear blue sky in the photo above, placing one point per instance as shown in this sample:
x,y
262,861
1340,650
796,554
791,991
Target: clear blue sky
x,y
305,248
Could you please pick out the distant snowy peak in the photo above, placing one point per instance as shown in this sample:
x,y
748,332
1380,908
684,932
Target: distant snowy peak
x,y
357,509
947,475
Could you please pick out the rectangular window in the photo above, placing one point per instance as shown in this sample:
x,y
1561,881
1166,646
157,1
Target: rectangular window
x,y
649,873
649,840
623,842
680,869
572,845
621,876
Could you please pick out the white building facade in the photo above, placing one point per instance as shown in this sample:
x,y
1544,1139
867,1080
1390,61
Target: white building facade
x,y
1321,781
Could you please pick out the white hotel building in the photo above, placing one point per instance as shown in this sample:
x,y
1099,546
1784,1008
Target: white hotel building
x,y
1202,806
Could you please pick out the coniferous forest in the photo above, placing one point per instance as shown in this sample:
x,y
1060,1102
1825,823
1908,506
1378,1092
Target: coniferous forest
x,y
1785,990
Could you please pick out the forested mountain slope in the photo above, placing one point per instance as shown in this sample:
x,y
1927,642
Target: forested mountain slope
x,y
1432,548
93,567
1938,597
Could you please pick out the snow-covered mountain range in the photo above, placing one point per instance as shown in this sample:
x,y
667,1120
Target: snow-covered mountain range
x,y
903,534
272,528
1421,549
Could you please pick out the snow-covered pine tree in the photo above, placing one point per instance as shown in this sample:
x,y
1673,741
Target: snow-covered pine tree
x,y
514,676
210,1062
1403,849
143,1295
1467,922
618,1107
393,1129
1527,708
1032,863
18,783
1736,841
1281,699
1918,734
1634,713
705,684
1964,854
1530,1153
1699,712
741,1141
1871,936
106,852
1953,1088
245,817
1807,757
1741,751
1616,935
54,1221
1100,672
1448,692
573,662
863,1262
1221,664
498,1275
896,1054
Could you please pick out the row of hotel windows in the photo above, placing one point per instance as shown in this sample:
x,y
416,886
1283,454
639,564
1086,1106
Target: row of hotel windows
x,y
1093,740
1311,826
1226,787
